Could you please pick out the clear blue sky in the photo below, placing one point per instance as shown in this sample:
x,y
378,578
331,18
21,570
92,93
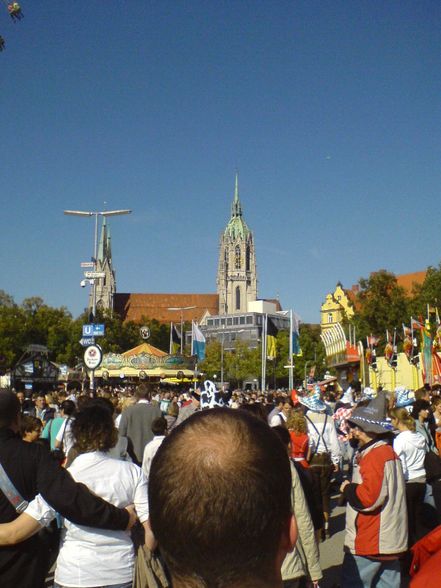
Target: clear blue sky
x,y
330,110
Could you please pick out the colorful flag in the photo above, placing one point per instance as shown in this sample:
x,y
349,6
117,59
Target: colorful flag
x,y
175,340
414,324
372,341
197,341
407,342
426,348
271,334
295,335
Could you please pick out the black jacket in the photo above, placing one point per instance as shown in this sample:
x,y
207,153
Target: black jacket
x,y
32,470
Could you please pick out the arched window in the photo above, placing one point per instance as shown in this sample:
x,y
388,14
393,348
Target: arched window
x,y
237,260
237,298
330,317
247,258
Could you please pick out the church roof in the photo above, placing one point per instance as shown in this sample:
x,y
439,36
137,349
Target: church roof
x,y
104,246
236,227
132,307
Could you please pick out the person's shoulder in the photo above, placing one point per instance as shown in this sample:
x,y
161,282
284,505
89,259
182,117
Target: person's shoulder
x,y
381,452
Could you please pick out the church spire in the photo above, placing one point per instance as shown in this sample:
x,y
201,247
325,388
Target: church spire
x,y
236,208
102,246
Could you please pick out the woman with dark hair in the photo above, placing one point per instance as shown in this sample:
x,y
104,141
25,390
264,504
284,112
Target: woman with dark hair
x,y
420,413
91,557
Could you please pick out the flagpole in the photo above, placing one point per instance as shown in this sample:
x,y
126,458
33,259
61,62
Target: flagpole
x,y
182,333
291,379
264,352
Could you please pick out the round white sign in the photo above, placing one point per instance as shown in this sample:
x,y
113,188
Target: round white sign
x,y
93,356
144,332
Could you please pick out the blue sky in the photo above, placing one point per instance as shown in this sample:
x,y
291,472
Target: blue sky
x,y
330,111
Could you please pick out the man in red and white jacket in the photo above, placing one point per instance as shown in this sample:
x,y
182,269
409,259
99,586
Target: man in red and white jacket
x,y
376,518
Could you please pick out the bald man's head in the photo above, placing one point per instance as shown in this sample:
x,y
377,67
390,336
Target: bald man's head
x,y
220,499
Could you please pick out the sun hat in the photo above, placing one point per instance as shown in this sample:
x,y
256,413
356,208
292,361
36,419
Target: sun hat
x,y
348,396
313,401
368,394
371,417
404,397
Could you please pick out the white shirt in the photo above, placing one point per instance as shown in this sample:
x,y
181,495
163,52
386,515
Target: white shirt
x,y
97,557
278,419
149,453
323,439
411,449
65,436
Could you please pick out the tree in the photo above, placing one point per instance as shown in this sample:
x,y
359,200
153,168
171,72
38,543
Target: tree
x,y
427,293
242,363
380,304
6,299
211,365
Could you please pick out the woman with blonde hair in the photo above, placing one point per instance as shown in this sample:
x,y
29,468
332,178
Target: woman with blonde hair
x,y
411,448
298,430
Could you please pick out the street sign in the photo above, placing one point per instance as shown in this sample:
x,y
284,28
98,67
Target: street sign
x,y
87,264
93,330
86,341
93,356
91,275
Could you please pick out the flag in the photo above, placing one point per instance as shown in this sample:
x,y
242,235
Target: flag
x,y
295,336
271,334
372,341
414,324
197,341
175,340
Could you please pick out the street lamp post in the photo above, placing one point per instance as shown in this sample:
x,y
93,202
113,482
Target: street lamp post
x,y
181,310
96,214
306,365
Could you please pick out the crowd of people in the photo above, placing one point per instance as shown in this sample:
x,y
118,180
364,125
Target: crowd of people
x,y
379,449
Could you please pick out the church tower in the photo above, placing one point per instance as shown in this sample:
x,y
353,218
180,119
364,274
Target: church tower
x,y
105,287
236,275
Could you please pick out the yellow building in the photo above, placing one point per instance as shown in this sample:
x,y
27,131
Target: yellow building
x,y
336,307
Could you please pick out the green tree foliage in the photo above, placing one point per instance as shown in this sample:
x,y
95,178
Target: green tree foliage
x,y
242,363
212,362
380,304
427,293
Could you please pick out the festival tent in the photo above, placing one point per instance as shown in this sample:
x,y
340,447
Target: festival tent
x,y
146,361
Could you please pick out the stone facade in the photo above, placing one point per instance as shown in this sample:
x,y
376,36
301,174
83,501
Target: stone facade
x,y
236,276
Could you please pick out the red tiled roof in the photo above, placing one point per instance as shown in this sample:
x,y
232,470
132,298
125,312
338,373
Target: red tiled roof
x,y
132,307
407,281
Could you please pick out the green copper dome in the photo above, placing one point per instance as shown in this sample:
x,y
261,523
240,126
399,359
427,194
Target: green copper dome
x,y
236,227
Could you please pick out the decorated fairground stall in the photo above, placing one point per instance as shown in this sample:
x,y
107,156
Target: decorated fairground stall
x,y
341,354
146,362
376,366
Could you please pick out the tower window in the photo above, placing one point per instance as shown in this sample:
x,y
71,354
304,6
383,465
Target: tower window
x,y
247,258
330,317
237,261
237,298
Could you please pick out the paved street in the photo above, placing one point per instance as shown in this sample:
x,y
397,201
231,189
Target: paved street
x,y
331,551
